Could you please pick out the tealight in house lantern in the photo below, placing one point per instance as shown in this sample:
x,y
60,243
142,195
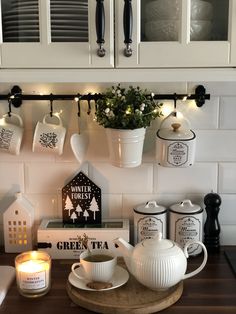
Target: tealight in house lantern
x,y
18,221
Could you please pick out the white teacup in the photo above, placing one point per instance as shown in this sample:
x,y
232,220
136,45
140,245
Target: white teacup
x,y
97,265
49,137
11,134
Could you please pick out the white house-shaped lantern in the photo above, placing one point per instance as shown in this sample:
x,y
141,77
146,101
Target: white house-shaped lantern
x,y
18,221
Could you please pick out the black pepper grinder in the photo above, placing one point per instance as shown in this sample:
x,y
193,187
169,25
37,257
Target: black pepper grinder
x,y
212,225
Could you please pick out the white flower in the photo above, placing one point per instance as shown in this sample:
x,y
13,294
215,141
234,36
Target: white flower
x,y
123,97
118,92
107,110
111,114
137,111
113,91
142,106
152,94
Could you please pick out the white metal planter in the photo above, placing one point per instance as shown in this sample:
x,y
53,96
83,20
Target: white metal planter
x,y
125,147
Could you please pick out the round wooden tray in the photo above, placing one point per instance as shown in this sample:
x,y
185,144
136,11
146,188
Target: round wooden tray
x,y
133,297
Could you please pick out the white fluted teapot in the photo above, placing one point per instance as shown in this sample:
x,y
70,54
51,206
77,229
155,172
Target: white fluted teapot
x,y
158,263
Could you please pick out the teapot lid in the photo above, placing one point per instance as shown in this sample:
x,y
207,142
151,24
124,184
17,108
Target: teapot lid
x,y
158,243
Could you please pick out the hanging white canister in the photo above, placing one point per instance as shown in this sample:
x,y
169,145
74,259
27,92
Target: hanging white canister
x,y
149,218
176,142
186,224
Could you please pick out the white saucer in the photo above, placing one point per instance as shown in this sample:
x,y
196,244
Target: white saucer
x,y
120,277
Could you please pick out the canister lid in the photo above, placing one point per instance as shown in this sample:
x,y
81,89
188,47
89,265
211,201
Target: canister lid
x,y
150,207
175,127
186,207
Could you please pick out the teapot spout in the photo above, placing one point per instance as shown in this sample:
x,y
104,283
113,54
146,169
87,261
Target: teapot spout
x,y
126,250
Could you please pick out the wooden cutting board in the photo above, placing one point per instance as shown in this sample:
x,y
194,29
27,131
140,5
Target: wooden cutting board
x,y
130,298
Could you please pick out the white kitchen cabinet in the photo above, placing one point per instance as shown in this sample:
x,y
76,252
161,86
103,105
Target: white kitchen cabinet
x,y
165,37
54,34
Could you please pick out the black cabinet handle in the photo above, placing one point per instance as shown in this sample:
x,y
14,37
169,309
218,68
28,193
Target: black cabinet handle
x,y
100,27
128,27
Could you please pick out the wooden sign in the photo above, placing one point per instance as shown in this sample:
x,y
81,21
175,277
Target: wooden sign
x,y
81,201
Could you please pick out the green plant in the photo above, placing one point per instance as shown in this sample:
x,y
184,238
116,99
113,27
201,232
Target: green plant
x,y
130,108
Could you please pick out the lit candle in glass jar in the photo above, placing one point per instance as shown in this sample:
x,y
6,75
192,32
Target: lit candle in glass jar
x,y
33,273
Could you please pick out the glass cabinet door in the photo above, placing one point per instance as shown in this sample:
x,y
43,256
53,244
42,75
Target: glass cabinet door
x,y
69,20
180,33
162,20
56,33
20,21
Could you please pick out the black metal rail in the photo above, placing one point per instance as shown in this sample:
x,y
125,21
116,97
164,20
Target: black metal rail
x,y
15,97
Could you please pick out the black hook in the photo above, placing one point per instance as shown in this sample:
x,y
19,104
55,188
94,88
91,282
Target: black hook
x,y
78,103
175,100
89,103
96,97
175,104
51,104
9,105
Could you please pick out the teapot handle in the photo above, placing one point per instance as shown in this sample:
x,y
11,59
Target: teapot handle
x,y
196,271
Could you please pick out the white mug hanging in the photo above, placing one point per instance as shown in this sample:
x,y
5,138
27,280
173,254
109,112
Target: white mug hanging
x,y
49,137
11,134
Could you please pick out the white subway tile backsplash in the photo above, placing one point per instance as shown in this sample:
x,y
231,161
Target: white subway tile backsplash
x,y
120,180
227,209
200,178
45,206
12,178
48,178
205,117
219,145
227,113
227,177
111,206
228,235
98,146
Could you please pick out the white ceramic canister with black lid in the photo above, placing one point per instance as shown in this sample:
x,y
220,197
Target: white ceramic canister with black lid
x,y
186,224
149,218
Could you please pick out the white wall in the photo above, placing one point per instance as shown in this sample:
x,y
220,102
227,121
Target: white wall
x,y
40,177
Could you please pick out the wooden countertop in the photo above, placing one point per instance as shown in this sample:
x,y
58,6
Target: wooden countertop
x,y
213,291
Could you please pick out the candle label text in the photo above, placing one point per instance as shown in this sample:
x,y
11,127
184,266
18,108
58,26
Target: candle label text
x,y
33,281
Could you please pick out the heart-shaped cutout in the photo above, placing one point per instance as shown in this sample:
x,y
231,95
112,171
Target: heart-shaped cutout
x,y
79,145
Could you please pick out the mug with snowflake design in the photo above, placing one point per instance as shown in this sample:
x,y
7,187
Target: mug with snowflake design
x,y
11,133
49,137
